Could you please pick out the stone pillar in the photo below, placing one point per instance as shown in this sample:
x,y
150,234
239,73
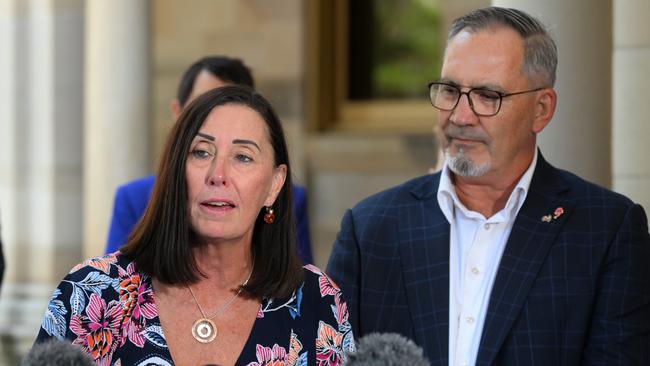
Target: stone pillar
x,y
117,93
631,100
578,139
41,58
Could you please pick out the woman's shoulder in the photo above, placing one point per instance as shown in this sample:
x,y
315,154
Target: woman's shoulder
x,y
104,297
316,279
110,266
319,290
315,293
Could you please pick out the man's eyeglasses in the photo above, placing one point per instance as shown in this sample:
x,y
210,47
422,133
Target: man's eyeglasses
x,y
484,102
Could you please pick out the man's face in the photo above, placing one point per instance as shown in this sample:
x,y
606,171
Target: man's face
x,y
488,146
205,81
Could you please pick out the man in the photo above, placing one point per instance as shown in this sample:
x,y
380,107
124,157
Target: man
x,y
500,259
132,198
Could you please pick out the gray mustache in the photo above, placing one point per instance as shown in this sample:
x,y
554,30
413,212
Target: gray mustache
x,y
468,133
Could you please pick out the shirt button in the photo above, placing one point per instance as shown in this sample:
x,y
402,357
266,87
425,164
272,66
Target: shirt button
x,y
475,271
486,226
469,320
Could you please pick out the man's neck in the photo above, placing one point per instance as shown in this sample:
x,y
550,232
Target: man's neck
x,y
486,199
488,194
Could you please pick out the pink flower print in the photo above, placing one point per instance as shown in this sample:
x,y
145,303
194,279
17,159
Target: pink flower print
x,y
137,298
98,331
267,356
294,350
342,314
327,286
328,346
558,212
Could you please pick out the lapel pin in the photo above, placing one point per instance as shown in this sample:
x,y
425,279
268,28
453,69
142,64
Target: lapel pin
x,y
557,213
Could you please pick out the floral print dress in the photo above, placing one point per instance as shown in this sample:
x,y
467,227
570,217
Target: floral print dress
x,y
107,307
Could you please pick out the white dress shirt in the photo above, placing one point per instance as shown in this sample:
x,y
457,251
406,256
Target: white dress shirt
x,y
476,244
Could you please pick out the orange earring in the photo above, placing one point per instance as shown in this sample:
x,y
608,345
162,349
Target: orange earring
x,y
269,216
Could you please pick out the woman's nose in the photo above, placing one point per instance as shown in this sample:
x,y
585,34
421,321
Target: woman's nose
x,y
217,175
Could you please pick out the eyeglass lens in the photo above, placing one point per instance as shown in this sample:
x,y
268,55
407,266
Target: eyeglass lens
x,y
483,102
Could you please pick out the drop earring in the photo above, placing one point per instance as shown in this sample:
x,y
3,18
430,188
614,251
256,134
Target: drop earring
x,y
269,216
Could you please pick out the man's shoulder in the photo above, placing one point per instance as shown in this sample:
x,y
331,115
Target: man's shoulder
x,y
584,192
404,194
137,189
140,184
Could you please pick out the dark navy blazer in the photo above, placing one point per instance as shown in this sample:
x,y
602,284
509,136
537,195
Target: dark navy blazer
x,y
570,290
131,200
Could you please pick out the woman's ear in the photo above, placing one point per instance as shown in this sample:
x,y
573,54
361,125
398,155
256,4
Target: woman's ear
x,y
279,176
544,109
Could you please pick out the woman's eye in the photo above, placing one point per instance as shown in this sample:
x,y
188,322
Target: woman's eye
x,y
200,154
243,158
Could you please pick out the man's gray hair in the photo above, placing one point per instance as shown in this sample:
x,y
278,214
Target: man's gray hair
x,y
540,51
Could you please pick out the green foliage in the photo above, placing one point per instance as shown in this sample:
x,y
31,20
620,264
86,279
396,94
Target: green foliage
x,y
408,47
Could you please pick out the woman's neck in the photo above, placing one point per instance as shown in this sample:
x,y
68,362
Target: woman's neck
x,y
225,265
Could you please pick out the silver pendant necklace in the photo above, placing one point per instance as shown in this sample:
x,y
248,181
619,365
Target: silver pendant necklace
x,y
204,330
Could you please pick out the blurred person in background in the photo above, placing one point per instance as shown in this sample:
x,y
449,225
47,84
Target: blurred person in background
x,y
210,274
131,198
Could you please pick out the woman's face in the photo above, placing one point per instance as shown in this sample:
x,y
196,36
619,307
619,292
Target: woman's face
x,y
231,174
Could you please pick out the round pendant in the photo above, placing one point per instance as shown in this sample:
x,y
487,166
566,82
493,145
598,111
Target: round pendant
x,y
204,330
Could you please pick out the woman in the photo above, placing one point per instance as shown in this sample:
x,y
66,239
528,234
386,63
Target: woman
x,y
209,275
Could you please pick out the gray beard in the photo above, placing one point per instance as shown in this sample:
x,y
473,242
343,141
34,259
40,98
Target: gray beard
x,y
464,166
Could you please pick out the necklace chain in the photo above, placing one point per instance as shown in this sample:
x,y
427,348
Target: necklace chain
x,y
226,305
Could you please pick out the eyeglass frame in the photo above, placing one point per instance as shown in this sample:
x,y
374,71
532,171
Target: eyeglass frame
x,y
469,100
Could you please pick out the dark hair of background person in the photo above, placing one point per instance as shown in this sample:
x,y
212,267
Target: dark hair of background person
x,y
161,242
540,51
228,69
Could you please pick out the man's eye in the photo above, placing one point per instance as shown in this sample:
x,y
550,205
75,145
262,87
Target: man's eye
x,y
243,158
487,95
448,90
200,154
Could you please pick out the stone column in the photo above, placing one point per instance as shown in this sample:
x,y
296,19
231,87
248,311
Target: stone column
x,y
631,100
579,137
117,93
41,86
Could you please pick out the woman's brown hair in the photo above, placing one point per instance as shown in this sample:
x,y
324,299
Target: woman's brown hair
x,y
161,243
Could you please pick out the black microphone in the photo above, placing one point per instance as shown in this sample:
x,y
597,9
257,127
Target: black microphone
x,y
57,353
386,349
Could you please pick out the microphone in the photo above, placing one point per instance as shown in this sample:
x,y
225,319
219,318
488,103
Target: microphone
x,y
386,349
57,353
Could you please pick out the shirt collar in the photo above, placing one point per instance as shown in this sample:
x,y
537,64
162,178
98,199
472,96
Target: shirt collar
x,y
448,199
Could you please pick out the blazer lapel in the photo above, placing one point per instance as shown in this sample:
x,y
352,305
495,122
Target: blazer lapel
x,y
424,249
533,233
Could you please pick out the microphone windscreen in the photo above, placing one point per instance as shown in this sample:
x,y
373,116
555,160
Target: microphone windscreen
x,y
386,349
57,353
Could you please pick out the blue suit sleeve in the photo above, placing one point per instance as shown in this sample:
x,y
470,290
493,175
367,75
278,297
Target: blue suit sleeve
x,y
122,222
620,327
344,267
